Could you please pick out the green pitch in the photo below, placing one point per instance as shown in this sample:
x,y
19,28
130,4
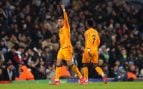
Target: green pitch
x,y
98,85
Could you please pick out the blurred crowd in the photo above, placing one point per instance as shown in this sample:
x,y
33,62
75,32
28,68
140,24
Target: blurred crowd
x,y
29,36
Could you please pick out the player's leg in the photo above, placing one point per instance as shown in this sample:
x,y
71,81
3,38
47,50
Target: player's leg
x,y
75,69
85,72
58,69
68,54
56,80
100,72
97,68
85,62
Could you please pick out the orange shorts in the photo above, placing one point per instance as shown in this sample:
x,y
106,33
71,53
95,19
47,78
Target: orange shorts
x,y
65,54
90,57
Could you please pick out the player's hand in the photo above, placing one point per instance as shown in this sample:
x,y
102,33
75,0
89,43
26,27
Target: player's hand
x,y
89,53
88,50
63,7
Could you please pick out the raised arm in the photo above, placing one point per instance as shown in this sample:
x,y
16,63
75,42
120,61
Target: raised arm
x,y
66,21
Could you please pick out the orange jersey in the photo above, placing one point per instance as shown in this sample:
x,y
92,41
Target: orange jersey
x,y
64,33
92,39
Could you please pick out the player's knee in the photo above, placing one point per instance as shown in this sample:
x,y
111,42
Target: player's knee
x,y
85,64
94,65
69,63
58,65
70,66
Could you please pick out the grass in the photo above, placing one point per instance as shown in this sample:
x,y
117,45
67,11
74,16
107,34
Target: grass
x,y
97,85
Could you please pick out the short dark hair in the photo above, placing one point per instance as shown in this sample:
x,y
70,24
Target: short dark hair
x,y
60,17
89,22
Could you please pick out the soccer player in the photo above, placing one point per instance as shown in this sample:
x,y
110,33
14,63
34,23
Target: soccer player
x,y
90,55
66,50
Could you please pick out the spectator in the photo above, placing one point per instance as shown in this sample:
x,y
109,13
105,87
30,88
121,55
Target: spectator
x,y
9,72
28,24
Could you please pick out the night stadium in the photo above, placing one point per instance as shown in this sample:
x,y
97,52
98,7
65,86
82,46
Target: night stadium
x,y
71,44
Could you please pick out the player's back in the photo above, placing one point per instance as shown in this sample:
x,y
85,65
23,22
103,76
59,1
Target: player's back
x,y
92,39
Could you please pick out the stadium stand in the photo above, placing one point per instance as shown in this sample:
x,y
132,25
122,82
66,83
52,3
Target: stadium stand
x,y
29,35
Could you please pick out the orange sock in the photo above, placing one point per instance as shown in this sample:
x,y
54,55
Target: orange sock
x,y
58,73
100,71
85,72
76,70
